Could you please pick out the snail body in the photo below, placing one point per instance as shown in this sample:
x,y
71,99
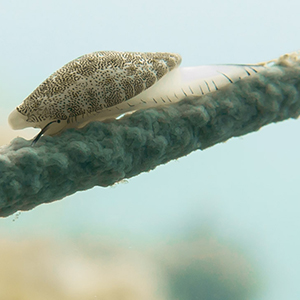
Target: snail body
x,y
107,84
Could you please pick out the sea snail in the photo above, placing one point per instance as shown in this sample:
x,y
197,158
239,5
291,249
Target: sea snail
x,y
107,84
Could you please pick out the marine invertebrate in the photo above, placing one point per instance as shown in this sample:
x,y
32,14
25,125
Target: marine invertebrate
x,y
92,87
107,84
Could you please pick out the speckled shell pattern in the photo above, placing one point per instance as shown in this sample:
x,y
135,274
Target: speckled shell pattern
x,y
94,82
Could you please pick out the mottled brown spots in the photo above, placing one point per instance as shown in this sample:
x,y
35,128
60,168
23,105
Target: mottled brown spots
x,y
138,85
148,78
94,82
128,87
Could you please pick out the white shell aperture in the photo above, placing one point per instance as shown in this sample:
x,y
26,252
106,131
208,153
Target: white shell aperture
x,y
107,84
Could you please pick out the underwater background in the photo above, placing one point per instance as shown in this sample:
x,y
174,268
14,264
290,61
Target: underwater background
x,y
217,224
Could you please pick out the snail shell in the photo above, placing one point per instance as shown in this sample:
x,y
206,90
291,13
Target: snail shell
x,y
107,84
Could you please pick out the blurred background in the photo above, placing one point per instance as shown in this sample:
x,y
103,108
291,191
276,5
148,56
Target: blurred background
x,y
218,224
